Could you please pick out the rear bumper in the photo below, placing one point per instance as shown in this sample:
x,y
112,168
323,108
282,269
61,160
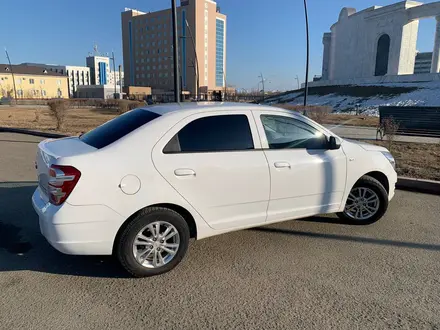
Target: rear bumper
x,y
79,230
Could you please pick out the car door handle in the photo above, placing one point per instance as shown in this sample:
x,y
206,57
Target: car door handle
x,y
184,172
282,165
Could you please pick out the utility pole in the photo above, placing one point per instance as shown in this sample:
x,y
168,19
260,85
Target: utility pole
x,y
176,52
12,72
262,82
226,84
114,72
120,79
306,84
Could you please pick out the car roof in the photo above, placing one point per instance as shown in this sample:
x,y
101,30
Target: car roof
x,y
188,108
195,107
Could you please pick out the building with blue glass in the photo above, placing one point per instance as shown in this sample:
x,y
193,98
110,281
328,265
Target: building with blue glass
x,y
148,47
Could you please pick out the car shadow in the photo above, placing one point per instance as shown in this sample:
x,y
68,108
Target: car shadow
x,y
22,247
346,238
324,219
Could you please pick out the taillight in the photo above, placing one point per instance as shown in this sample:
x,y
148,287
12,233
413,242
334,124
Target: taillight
x,y
62,180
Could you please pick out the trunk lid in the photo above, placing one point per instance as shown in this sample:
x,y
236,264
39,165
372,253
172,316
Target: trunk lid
x,y
50,151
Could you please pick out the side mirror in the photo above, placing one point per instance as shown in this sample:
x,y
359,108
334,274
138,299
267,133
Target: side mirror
x,y
333,143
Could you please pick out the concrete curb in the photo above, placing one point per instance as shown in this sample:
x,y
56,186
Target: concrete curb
x,y
418,185
29,132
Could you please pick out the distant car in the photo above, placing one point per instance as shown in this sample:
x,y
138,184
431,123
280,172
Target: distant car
x,y
141,185
5,100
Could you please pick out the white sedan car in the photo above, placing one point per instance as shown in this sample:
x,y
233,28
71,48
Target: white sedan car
x,y
141,185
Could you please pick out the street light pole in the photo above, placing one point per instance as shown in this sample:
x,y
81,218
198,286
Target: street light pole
x,y
306,84
176,53
197,61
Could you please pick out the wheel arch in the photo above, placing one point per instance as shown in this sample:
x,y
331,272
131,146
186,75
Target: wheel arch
x,y
176,208
379,176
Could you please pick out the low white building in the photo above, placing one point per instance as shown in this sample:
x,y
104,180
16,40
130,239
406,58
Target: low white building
x,y
96,92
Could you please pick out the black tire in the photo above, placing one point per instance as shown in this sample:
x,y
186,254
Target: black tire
x,y
124,246
378,188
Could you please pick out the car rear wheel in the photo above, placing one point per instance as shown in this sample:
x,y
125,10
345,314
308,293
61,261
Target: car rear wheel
x,y
366,203
154,242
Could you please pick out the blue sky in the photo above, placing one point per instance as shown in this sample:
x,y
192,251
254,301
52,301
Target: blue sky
x,y
266,36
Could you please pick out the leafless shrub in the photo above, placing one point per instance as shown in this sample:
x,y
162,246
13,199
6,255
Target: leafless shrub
x,y
37,115
390,127
314,112
126,105
58,109
123,106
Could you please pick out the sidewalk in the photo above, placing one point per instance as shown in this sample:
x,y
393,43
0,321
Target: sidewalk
x,y
369,133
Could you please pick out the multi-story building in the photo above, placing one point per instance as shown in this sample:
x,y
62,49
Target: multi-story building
x,y
76,75
32,82
423,62
99,69
147,40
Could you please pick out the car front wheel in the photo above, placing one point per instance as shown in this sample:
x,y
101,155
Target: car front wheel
x,y
366,203
154,242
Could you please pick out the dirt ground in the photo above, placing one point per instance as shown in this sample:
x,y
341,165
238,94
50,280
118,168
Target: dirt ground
x,y
340,119
77,121
417,160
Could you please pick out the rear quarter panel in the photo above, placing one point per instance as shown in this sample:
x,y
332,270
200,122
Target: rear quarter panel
x,y
103,170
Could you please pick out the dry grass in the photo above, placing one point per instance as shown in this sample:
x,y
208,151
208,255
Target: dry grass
x,y
342,119
76,122
416,160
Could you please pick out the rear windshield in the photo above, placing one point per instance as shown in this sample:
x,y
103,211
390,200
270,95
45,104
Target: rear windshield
x,y
117,128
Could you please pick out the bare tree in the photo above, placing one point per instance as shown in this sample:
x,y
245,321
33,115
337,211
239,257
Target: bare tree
x,y
58,109
37,115
390,127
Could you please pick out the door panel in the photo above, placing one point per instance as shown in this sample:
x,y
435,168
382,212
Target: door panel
x,y
313,184
228,188
306,178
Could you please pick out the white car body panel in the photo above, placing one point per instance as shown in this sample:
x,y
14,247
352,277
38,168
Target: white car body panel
x,y
311,182
230,191
223,187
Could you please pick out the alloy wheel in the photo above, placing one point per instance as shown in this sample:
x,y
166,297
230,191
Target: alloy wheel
x,y
362,203
156,244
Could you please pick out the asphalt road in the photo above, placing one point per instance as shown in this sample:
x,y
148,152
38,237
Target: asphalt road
x,y
311,274
369,133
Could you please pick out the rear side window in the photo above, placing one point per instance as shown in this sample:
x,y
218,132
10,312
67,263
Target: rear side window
x,y
213,134
117,128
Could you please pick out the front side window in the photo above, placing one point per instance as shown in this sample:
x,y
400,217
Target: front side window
x,y
213,134
289,133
